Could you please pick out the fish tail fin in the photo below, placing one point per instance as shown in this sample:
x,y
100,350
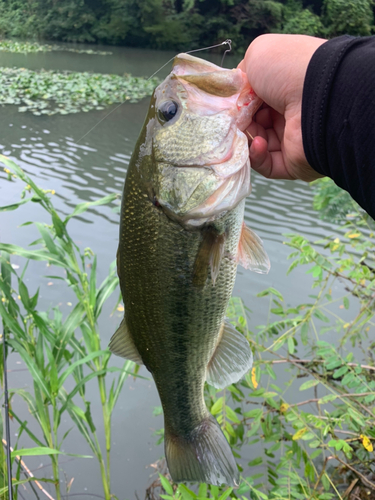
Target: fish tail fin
x,y
204,456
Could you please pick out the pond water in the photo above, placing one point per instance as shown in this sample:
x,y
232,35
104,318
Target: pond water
x,y
50,149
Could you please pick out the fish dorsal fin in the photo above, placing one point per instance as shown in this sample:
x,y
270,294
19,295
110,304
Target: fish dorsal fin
x,y
210,254
123,345
251,253
231,360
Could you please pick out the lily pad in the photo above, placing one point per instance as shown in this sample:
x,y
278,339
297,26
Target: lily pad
x,y
30,47
64,92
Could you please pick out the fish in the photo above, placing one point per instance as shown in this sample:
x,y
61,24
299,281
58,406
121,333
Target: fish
x,y
182,235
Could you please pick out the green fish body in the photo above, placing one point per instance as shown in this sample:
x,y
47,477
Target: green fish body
x,y
181,238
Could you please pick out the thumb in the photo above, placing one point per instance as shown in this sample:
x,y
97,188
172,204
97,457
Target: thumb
x,y
276,66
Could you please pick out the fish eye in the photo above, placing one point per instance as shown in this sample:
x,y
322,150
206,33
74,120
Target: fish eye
x,y
167,111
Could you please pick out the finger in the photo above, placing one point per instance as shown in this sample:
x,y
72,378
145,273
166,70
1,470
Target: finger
x,y
269,164
255,130
274,143
264,117
278,124
258,153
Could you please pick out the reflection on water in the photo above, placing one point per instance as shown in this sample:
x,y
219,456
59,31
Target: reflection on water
x,y
49,149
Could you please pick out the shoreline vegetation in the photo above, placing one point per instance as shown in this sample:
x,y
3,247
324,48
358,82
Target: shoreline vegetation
x,y
63,92
181,24
26,47
318,448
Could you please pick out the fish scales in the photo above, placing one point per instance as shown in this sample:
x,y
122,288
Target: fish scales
x,y
154,248
181,238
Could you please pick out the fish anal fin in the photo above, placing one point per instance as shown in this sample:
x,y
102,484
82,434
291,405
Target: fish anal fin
x,y
204,455
210,254
231,360
251,253
123,345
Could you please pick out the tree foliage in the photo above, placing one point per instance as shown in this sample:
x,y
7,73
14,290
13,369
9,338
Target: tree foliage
x,y
354,17
181,24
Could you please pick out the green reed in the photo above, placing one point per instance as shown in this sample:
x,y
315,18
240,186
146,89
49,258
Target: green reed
x,y
57,349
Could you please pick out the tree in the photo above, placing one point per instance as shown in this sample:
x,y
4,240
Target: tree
x,y
352,17
304,22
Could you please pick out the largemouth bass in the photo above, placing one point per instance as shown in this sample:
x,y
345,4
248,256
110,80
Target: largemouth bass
x,y
181,237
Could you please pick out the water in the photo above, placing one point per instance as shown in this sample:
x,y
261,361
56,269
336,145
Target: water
x,y
48,149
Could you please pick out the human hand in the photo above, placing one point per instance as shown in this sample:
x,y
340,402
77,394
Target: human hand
x,y
276,66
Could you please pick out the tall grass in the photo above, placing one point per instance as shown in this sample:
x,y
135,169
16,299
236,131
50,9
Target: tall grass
x,y
59,351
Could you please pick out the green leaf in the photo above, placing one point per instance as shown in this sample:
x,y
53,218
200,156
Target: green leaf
x,y
92,293
105,290
166,485
186,493
357,417
43,450
256,413
50,244
217,406
35,372
32,254
327,399
58,224
82,207
271,291
225,494
14,206
255,462
316,271
202,491
318,314
232,415
314,444
79,362
340,372
309,384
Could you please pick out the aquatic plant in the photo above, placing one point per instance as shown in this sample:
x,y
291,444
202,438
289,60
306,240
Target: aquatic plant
x,y
32,47
63,92
314,438
58,351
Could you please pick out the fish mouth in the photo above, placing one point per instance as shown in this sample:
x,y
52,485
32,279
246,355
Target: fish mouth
x,y
195,194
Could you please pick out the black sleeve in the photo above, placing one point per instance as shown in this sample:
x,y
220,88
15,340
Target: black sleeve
x,y
338,115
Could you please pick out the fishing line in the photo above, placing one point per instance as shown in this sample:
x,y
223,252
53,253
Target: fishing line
x,y
226,42
7,428
229,42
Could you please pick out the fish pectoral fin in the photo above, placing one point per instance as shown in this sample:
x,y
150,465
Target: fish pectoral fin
x,y
251,253
123,345
209,255
231,360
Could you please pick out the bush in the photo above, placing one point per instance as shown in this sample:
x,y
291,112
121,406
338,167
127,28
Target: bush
x,y
351,17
